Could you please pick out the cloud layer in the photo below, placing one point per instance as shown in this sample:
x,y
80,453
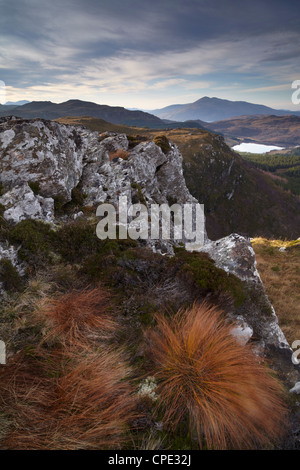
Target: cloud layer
x,y
150,54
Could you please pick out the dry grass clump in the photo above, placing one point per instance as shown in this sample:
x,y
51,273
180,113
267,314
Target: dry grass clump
x,y
280,273
67,400
74,392
77,315
205,375
120,153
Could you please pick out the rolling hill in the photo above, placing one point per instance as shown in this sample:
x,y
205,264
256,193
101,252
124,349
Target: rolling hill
x,y
277,130
112,114
116,115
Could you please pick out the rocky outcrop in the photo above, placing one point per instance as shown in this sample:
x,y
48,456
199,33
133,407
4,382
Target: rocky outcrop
x,y
21,203
42,162
235,255
41,151
60,157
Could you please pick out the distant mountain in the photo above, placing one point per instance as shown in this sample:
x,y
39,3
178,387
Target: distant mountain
x,y
215,109
6,109
273,130
110,114
116,115
16,103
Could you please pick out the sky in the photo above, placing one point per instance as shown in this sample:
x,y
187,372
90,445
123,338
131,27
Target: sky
x,y
150,54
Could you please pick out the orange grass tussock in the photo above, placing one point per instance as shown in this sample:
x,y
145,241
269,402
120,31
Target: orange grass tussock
x,y
73,393
229,398
74,315
75,399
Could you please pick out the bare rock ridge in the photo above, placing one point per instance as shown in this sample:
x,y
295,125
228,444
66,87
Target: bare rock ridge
x,y
41,162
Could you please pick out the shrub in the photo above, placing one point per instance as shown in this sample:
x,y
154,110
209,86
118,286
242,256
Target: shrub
x,y
76,240
35,238
162,142
200,271
134,140
9,276
205,376
34,186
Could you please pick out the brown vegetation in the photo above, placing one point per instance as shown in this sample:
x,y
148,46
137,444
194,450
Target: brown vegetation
x,y
74,315
207,377
75,394
120,153
280,273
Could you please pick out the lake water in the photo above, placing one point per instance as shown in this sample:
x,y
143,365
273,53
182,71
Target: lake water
x,y
255,148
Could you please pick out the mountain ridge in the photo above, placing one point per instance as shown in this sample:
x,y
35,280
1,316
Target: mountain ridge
x,y
113,114
215,109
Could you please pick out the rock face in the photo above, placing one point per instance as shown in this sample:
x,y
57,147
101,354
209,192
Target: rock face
x,y
41,151
21,203
235,255
59,157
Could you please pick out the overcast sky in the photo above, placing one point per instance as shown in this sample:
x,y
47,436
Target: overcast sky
x,y
149,54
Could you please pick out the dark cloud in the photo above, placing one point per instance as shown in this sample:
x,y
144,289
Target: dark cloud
x,y
62,41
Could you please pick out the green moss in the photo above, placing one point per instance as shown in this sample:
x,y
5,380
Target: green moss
x,y
34,186
171,200
9,276
59,203
105,262
76,240
138,197
200,270
162,142
134,140
35,239
2,189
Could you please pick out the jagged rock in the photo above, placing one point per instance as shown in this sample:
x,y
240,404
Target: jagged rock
x,y
296,388
242,332
60,157
113,142
21,203
235,255
42,151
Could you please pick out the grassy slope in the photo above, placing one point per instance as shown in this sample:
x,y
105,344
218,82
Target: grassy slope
x,y
280,273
